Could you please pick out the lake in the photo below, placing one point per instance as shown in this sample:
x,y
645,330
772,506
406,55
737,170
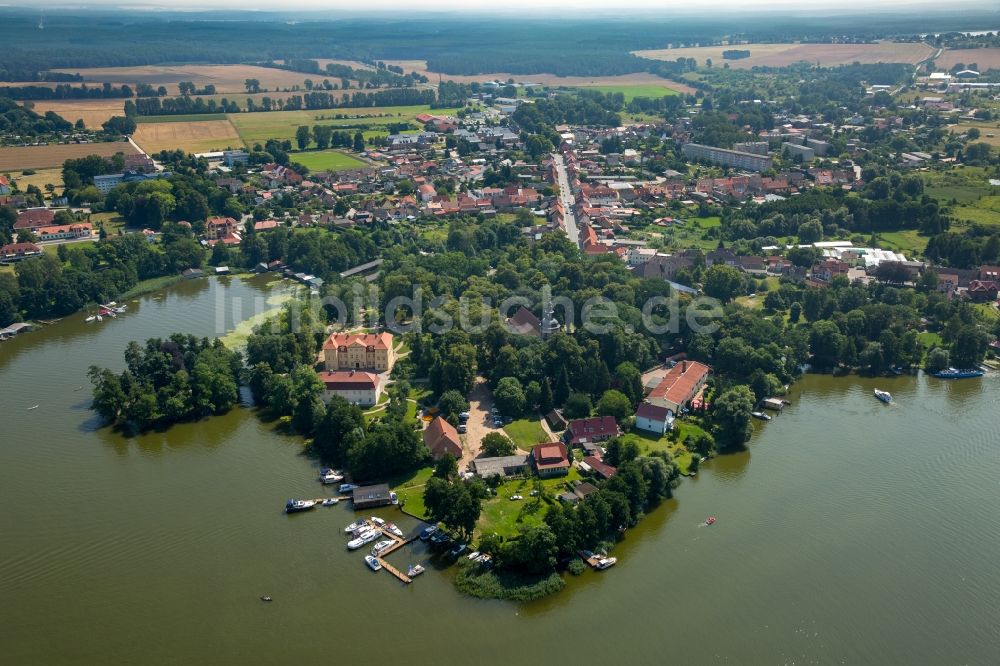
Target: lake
x,y
849,532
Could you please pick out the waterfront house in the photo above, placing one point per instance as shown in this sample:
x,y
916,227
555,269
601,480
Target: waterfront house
x,y
364,351
218,228
679,386
551,459
653,418
599,467
441,437
594,429
354,386
367,497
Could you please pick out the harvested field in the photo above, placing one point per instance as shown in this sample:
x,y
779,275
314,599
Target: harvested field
x,y
983,59
985,129
225,78
193,136
629,80
92,111
39,179
782,55
15,158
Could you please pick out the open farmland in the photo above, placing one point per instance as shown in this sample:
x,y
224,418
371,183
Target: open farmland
x,y
985,127
782,55
983,59
40,178
93,112
16,158
631,92
327,160
225,78
642,79
194,136
259,127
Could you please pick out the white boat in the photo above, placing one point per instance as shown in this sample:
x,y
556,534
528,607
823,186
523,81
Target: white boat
x,y
378,521
355,526
761,415
330,501
382,546
99,317
607,562
395,530
415,570
295,506
372,563
474,554
348,487
366,537
90,318
884,396
328,476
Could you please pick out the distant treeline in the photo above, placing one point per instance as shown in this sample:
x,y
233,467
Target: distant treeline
x,y
106,91
382,75
735,54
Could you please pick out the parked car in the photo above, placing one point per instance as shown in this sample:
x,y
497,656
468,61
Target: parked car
x,y
462,429
464,416
514,498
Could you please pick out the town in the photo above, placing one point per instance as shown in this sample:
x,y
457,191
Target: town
x,y
841,219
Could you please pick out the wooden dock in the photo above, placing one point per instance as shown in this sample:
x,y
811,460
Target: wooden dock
x,y
398,542
394,571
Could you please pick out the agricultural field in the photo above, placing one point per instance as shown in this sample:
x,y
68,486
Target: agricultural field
x,y
626,80
782,55
327,160
983,59
93,112
985,127
194,136
225,78
259,127
16,158
631,92
40,178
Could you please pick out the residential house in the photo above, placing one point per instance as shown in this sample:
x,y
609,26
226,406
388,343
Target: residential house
x,y
17,251
653,418
599,467
594,429
354,386
218,228
551,459
440,437
982,291
364,351
65,231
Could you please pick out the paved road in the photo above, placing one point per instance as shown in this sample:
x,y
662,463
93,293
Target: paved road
x,y
566,196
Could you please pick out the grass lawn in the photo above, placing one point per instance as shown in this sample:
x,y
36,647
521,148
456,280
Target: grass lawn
x,y
984,211
909,242
633,91
259,127
507,517
929,339
649,442
410,490
113,223
327,160
526,433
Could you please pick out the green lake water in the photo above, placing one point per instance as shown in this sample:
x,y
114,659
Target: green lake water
x,y
850,532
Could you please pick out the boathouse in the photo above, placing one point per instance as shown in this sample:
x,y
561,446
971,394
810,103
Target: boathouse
x,y
369,496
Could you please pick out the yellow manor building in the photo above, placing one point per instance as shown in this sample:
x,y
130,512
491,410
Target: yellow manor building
x,y
351,351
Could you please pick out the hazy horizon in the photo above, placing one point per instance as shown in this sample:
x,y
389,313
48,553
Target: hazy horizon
x,y
465,7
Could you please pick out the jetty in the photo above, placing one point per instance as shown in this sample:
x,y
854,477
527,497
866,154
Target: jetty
x,y
397,543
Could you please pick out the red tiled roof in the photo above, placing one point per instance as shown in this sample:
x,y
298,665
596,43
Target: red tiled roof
x,y
599,466
440,437
550,456
377,340
34,217
345,380
19,248
651,412
678,386
593,428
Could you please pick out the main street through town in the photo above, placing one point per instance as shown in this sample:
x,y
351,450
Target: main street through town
x,y
566,197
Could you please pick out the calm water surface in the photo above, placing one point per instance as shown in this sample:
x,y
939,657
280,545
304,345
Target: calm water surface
x,y
850,532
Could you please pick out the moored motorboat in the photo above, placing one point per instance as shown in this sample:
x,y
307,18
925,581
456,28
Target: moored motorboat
x,y
372,563
365,537
710,520
954,373
90,318
328,476
382,546
330,501
356,525
395,530
761,415
378,521
884,396
607,562
415,570
295,506
428,532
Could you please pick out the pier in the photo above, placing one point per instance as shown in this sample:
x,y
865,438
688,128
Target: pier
x,y
398,542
